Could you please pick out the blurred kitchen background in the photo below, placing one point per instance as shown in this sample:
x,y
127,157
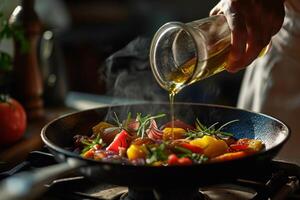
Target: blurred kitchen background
x,y
77,51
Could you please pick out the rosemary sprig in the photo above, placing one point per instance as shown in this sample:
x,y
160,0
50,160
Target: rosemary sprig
x,y
120,124
127,120
145,122
202,130
227,123
91,144
117,121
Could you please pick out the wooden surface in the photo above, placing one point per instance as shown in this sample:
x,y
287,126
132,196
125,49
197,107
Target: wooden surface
x,y
16,153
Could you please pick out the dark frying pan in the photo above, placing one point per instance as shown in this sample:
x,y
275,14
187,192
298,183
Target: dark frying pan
x,y
58,136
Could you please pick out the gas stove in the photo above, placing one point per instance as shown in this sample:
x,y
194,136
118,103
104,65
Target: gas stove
x,y
282,182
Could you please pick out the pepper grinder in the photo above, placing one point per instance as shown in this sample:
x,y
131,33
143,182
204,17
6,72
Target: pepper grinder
x,y
27,82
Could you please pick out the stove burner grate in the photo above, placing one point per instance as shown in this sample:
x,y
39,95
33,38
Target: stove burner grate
x,y
280,183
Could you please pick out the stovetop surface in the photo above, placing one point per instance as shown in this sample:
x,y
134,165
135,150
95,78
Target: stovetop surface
x,y
282,183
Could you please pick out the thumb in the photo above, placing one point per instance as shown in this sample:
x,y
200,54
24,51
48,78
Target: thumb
x,y
216,10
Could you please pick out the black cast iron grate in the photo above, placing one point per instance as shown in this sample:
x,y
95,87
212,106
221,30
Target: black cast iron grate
x,y
281,182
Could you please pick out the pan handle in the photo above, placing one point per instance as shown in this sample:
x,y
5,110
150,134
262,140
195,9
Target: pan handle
x,y
28,185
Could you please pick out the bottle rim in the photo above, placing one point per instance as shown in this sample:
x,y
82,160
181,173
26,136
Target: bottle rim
x,y
157,38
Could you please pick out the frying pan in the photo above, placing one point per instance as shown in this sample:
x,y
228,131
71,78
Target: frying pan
x,y
58,137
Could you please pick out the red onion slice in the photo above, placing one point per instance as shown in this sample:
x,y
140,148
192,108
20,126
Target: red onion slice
x,y
153,132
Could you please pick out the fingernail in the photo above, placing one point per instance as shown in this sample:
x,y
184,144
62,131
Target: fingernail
x,y
232,65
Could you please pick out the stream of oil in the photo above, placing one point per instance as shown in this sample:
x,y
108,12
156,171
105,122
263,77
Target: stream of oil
x,y
171,99
192,71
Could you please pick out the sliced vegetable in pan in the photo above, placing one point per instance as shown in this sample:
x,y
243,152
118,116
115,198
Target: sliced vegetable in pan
x,y
140,141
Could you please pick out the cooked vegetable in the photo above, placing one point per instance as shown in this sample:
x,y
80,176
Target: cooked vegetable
x,y
247,144
229,156
139,141
136,151
173,133
192,148
120,141
211,146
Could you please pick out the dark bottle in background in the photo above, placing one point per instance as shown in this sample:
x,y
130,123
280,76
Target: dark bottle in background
x,y
27,84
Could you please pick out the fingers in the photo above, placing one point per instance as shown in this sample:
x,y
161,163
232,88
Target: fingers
x,y
238,40
253,23
254,47
252,38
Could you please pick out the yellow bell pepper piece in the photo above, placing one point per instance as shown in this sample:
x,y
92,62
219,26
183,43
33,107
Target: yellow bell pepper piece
x,y
173,133
255,145
211,146
100,127
135,152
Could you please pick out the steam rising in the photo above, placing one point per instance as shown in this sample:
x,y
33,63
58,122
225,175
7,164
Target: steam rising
x,y
128,75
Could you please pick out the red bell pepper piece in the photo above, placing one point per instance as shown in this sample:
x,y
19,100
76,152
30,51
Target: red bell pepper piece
x,y
192,148
239,147
89,154
119,141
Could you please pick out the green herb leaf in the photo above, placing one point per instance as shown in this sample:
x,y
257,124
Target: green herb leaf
x,y
5,61
199,125
157,153
198,158
90,144
202,130
127,120
226,124
117,121
17,33
183,150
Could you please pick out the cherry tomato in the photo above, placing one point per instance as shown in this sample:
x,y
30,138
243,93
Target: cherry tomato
x,y
12,121
185,161
172,159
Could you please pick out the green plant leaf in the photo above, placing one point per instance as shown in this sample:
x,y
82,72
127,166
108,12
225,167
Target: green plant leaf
x,y
5,61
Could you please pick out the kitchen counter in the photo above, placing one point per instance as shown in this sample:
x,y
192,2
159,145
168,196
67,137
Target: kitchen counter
x,y
75,101
16,153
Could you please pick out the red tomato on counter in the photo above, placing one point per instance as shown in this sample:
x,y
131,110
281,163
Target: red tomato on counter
x,y
12,121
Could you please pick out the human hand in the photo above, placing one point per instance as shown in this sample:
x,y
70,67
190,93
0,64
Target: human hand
x,y
253,23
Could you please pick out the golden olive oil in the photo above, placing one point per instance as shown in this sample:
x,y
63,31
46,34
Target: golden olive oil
x,y
193,71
